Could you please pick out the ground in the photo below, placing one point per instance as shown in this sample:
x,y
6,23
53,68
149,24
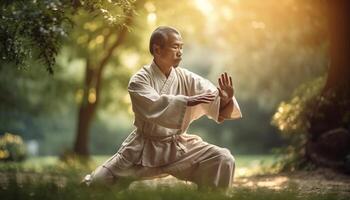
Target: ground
x,y
318,181
41,178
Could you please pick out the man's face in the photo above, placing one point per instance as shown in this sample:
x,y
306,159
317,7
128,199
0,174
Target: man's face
x,y
171,53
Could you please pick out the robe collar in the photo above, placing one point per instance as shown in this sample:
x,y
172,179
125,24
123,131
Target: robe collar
x,y
167,82
160,74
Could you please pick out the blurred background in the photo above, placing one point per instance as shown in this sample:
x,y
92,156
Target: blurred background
x,y
269,47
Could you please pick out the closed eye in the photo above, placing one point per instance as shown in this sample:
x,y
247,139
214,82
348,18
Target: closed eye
x,y
177,46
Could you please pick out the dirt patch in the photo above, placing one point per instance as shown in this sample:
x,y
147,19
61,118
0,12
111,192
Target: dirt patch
x,y
317,181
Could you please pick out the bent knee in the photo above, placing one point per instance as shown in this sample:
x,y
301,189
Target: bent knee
x,y
226,156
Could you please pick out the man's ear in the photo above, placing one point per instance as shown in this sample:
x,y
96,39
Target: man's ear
x,y
156,49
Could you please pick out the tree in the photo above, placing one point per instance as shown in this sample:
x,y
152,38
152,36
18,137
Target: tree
x,y
317,118
95,31
109,38
32,30
268,57
329,141
100,46
30,27
35,29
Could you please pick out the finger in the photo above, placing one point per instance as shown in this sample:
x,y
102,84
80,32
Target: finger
x,y
230,81
226,79
207,98
223,79
220,92
220,83
204,101
210,95
199,102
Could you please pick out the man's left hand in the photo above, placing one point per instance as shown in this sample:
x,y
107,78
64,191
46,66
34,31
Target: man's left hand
x,y
226,91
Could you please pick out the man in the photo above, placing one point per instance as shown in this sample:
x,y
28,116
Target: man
x,y
166,99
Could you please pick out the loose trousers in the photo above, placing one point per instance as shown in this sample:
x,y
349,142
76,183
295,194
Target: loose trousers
x,y
205,164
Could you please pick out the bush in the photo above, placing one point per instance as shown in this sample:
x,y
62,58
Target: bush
x,y
292,120
12,148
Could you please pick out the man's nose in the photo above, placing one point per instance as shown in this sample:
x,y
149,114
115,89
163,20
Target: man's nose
x,y
179,53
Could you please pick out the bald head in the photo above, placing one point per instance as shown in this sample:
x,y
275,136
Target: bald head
x,y
160,36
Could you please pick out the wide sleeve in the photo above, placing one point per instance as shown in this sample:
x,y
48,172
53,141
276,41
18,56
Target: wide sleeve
x,y
164,110
236,112
200,85
196,86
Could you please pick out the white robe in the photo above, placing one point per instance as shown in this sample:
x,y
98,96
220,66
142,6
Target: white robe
x,y
160,144
162,115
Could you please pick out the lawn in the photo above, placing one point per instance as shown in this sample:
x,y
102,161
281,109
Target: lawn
x,y
47,178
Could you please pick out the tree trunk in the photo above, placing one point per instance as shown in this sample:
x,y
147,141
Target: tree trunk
x,y
339,29
331,108
329,141
92,88
87,110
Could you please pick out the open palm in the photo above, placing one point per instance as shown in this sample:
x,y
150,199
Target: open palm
x,y
226,91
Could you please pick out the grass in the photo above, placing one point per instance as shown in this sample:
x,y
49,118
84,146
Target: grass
x,y
50,190
47,178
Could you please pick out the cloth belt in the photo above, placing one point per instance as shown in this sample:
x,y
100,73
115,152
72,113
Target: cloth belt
x,y
170,138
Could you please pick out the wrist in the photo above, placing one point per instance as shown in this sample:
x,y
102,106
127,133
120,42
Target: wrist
x,y
225,99
224,102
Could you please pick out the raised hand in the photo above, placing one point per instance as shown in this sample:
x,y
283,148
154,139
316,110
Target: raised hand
x,y
201,98
226,89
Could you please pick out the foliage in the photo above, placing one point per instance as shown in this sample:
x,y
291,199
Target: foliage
x,y
33,103
292,120
36,29
33,27
267,57
270,56
12,148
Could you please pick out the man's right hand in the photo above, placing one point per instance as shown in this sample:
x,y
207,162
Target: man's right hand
x,y
201,98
